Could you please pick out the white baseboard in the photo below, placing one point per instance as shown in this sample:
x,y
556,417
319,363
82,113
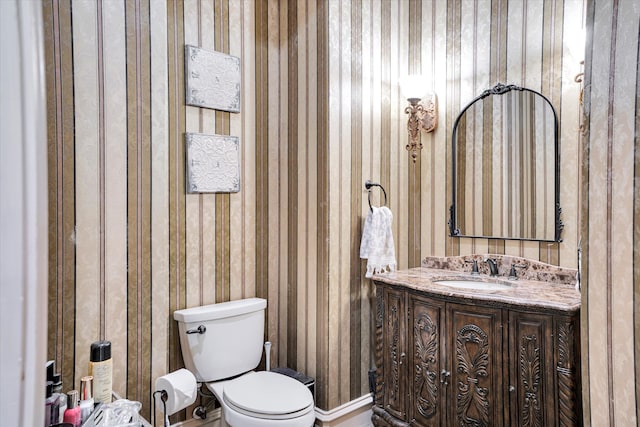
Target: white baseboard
x,y
356,413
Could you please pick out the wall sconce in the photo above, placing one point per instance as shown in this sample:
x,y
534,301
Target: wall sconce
x,y
422,114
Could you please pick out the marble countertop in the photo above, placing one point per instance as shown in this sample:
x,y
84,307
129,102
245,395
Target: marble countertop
x,y
522,293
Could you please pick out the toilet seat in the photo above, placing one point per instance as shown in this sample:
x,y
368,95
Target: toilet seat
x,y
268,395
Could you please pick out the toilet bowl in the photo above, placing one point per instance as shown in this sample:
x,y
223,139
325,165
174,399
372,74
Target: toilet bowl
x,y
222,345
264,399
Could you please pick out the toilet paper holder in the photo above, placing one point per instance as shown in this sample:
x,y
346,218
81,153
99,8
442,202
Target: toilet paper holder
x,y
163,396
177,391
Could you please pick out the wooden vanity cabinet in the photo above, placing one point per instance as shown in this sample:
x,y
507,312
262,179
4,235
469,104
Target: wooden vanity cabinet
x,y
442,362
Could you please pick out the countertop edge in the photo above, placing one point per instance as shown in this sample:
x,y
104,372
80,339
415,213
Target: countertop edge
x,y
524,294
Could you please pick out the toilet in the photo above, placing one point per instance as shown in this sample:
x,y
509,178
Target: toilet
x,y
222,345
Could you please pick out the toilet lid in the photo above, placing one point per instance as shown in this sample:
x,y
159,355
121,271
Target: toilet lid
x,y
269,395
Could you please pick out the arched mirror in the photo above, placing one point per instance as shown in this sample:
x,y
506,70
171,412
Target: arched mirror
x,y
505,174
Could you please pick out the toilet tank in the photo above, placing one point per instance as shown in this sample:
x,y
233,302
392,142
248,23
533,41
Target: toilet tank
x,y
231,343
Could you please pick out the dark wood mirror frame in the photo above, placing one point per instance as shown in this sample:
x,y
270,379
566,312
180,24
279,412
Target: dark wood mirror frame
x,y
454,222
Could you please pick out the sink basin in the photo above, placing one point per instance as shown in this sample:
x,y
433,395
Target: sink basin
x,y
473,284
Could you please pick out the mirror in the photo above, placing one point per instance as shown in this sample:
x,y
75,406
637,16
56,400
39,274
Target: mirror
x,y
505,171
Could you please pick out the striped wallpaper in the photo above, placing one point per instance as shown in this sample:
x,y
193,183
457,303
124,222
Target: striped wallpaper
x,y
321,112
520,43
610,215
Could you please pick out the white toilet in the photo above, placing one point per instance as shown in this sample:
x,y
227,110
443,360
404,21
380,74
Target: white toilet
x,y
222,345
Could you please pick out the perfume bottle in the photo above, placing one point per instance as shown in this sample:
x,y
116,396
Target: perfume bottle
x,y
86,397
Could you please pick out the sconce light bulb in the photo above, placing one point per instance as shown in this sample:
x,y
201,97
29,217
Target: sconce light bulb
x,y
414,86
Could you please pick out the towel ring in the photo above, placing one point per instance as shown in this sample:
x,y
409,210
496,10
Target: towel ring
x,y
368,185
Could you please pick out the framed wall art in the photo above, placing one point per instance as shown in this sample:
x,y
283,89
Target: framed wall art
x,y
213,163
212,79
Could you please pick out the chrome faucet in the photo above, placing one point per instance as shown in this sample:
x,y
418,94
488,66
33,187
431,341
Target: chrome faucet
x,y
493,266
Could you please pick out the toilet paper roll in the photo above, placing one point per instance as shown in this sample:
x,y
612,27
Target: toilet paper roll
x,y
181,388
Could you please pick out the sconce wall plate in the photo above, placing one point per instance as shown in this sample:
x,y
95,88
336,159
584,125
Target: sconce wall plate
x,y
423,116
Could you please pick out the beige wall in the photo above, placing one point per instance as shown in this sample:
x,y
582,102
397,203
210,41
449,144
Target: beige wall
x,y
321,113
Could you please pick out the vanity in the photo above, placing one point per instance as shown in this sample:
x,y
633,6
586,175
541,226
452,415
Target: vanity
x,y
456,348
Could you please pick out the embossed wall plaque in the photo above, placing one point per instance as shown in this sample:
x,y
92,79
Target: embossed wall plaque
x,y
212,79
213,163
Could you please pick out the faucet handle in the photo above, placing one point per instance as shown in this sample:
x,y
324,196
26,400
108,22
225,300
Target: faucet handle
x,y
512,273
474,269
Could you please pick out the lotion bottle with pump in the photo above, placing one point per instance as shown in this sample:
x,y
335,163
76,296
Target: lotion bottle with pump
x,y
101,369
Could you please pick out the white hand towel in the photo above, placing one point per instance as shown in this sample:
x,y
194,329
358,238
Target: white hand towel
x,y
377,242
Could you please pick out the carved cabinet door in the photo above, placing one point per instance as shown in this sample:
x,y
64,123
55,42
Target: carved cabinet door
x,y
395,353
531,378
425,402
476,395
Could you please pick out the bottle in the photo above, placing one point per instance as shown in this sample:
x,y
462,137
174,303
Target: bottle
x,y
57,391
47,405
48,402
56,396
86,397
51,408
72,415
101,369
